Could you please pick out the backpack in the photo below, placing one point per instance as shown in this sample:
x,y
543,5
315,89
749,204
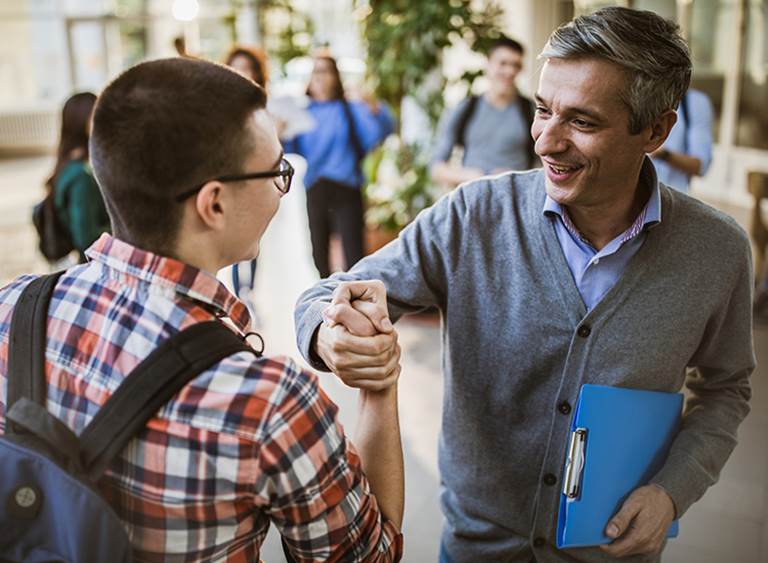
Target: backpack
x,y
54,240
50,509
526,107
354,139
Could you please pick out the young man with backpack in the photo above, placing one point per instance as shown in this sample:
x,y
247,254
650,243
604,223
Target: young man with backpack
x,y
493,129
132,371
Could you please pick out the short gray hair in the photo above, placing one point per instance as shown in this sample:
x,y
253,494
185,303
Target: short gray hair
x,y
648,47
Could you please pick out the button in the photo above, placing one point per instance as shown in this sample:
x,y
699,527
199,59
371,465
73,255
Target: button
x,y
596,261
564,407
549,479
539,542
24,501
584,331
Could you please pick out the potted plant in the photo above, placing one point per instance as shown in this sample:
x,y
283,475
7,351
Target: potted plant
x,y
404,43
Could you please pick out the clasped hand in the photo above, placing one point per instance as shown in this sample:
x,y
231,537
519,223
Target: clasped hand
x,y
357,341
641,525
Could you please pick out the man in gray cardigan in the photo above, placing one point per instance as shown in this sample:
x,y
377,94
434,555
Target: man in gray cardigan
x,y
588,271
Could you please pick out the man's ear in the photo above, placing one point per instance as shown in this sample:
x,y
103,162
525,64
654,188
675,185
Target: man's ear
x,y
209,204
660,129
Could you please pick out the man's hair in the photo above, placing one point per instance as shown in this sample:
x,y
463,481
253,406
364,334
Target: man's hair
x,y
654,56
161,128
506,43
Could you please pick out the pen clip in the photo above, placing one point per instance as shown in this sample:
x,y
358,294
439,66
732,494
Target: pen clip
x,y
575,464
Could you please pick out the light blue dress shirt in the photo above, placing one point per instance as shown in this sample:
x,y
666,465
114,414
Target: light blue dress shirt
x,y
693,138
595,272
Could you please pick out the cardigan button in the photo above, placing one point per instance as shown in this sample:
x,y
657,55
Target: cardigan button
x,y
584,331
564,407
550,479
539,542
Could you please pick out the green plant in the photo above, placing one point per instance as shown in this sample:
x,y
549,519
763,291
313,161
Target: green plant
x,y
285,31
405,41
398,185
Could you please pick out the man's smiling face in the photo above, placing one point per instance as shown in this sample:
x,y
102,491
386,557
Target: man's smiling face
x,y
582,133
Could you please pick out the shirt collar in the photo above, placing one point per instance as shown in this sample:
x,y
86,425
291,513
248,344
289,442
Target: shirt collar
x,y
649,216
185,280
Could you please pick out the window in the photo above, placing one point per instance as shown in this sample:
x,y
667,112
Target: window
x,y
752,123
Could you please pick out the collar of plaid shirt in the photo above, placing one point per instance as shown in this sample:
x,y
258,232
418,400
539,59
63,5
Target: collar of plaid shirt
x,y
164,272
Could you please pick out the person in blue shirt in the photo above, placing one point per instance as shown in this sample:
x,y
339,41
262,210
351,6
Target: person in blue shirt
x,y
344,133
688,149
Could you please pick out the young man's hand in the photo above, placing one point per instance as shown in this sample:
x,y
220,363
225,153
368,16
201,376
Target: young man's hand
x,y
641,525
357,340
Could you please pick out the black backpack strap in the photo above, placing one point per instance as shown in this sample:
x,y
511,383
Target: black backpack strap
x,y
354,139
26,349
160,376
461,125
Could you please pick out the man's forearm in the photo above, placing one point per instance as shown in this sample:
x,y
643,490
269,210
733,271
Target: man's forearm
x,y
381,452
690,165
453,175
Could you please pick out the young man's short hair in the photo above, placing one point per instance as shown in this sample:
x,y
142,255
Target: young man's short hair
x,y
507,43
161,128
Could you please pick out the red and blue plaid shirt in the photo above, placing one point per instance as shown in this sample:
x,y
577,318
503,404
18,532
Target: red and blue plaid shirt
x,y
248,441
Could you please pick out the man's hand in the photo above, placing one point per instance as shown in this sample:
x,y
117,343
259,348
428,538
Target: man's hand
x,y
641,525
357,340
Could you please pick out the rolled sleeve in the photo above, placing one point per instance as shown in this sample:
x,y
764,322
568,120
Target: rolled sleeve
x,y
311,481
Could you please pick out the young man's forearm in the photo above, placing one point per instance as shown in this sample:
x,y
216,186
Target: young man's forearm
x,y
381,452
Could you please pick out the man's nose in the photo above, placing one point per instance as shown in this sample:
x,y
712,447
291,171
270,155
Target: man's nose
x,y
550,136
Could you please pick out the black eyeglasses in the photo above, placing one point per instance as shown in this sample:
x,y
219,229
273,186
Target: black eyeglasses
x,y
284,170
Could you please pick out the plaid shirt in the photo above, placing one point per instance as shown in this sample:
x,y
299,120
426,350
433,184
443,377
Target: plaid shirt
x,y
248,441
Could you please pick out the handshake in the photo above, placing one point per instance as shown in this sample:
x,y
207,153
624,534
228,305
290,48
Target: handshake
x,y
357,341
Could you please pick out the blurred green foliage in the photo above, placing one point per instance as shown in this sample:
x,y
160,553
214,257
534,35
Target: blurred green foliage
x,y
405,41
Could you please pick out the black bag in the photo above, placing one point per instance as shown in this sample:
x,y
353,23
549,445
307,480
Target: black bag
x,y
50,509
55,241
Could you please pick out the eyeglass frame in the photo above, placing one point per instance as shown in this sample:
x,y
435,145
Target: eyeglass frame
x,y
286,173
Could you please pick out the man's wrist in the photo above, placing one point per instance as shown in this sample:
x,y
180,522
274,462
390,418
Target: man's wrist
x,y
314,357
671,500
662,154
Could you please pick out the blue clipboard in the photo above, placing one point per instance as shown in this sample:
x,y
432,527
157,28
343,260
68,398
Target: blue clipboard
x,y
619,440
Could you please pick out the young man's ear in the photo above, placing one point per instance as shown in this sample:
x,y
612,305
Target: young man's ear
x,y
660,129
209,204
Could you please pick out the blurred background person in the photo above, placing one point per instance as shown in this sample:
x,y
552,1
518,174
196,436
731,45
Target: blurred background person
x,y
251,63
687,152
344,132
79,203
493,129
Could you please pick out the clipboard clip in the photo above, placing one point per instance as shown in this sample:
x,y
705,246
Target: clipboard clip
x,y
575,464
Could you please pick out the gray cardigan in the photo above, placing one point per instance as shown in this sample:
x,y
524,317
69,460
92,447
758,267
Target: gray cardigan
x,y
518,344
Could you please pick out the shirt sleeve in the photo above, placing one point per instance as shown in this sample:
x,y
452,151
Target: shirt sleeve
x,y
372,127
719,393
414,268
699,130
446,133
312,485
